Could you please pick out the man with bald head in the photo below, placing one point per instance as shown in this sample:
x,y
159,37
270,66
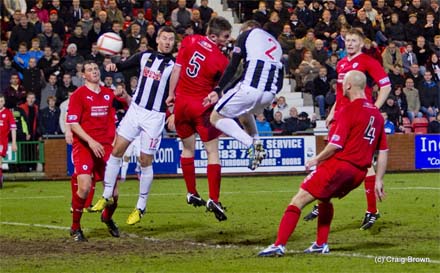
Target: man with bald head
x,y
341,166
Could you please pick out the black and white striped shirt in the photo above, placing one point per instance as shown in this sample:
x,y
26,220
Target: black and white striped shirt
x,y
154,77
261,54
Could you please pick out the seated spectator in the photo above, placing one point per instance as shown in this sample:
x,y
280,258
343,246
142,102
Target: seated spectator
x,y
331,66
35,50
50,39
389,126
159,21
41,12
408,58
295,56
15,93
415,74
412,28
95,55
21,58
321,86
86,22
400,100
297,27
309,39
287,42
307,70
151,37
334,49
5,52
68,63
319,53
330,97
78,78
96,31
413,100
433,65
277,124
74,14
134,38
429,93
117,28
364,23
263,126
114,13
22,33
291,123
49,118
393,112
326,29
304,122
396,78
392,59
106,25
430,28
57,22
196,23
281,106
423,52
434,125
283,13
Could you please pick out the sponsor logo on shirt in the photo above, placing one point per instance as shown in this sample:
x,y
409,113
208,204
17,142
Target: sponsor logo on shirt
x,y
152,74
355,65
237,50
72,117
98,111
206,45
89,98
384,81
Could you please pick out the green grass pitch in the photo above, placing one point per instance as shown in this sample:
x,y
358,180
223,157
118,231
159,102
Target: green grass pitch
x,y
175,237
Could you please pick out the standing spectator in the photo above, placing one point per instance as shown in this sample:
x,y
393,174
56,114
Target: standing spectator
x,y
430,29
350,11
429,93
86,22
134,38
306,16
74,14
82,43
413,29
6,71
4,52
31,115
365,24
13,22
22,56
49,118
24,32
326,29
63,112
7,124
50,39
395,30
277,124
15,93
297,27
196,23
412,99
32,80
206,12
58,25
261,15
274,25
189,86
283,13
50,89
408,58
321,86
64,88
68,63
95,32
369,10
181,17
140,19
114,13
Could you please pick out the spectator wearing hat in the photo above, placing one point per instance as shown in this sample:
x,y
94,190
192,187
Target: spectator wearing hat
x,y
68,63
62,10
393,112
434,125
34,20
57,23
412,28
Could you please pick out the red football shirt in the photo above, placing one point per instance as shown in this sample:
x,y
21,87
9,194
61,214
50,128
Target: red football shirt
x,y
366,64
7,122
202,64
94,112
359,132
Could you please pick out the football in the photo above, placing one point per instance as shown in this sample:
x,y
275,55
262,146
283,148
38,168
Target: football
x,y
109,43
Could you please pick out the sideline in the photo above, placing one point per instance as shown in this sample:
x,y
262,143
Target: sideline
x,y
229,246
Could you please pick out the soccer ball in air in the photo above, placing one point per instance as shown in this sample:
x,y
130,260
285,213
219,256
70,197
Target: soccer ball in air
x,y
109,43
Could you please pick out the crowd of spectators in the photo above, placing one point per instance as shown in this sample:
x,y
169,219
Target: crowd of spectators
x,y
44,43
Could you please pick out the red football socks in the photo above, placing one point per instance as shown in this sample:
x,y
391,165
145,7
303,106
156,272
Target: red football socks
x,y
288,224
189,174
107,213
214,179
77,206
369,184
89,199
325,217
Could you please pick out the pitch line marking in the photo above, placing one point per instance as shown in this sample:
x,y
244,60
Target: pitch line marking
x,y
229,246
180,193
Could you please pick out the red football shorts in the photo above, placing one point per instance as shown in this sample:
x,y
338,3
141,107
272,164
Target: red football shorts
x,y
191,117
86,162
3,148
333,178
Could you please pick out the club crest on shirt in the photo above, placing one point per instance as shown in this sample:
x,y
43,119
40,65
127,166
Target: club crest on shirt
x,y
355,65
106,97
236,49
